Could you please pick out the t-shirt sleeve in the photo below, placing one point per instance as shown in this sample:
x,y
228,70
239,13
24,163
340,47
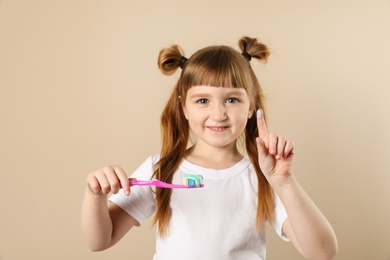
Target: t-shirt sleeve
x,y
280,217
141,202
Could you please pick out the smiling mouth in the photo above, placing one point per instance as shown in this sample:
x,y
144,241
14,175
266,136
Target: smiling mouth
x,y
217,129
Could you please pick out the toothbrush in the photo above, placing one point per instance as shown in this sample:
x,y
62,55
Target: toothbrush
x,y
189,180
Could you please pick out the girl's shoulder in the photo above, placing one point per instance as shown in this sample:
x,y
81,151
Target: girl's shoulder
x,y
147,167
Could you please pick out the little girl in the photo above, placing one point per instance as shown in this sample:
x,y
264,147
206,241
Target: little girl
x,y
219,101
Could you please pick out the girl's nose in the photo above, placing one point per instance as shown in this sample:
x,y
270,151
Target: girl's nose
x,y
218,113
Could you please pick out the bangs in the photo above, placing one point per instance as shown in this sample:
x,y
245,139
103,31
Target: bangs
x,y
217,66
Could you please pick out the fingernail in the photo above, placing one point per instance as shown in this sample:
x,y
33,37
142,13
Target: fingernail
x,y
259,113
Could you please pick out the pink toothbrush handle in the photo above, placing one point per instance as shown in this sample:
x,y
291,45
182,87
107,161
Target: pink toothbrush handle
x,y
156,183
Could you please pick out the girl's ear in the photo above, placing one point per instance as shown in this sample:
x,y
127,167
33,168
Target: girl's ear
x,y
183,106
250,112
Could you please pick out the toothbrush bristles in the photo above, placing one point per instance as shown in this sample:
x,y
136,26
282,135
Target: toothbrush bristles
x,y
193,181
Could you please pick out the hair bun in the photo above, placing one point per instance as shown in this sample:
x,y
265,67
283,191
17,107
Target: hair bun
x,y
170,59
252,48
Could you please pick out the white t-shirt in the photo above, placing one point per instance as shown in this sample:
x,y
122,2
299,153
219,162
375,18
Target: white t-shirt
x,y
217,221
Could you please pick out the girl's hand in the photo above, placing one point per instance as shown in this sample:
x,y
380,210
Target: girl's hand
x,y
109,179
275,153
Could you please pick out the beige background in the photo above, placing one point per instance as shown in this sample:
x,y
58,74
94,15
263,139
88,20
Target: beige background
x,y
80,89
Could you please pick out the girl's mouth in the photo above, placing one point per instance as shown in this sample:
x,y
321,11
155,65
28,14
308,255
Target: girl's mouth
x,y
217,128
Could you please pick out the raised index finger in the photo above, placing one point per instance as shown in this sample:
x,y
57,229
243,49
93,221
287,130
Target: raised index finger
x,y
262,126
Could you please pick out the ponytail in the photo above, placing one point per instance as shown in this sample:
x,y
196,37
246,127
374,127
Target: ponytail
x,y
170,59
174,136
252,48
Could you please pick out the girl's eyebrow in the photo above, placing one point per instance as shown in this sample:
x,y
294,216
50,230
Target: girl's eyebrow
x,y
229,93
235,93
199,95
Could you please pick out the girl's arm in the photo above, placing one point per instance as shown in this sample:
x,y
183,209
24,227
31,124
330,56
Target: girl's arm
x,y
103,225
306,226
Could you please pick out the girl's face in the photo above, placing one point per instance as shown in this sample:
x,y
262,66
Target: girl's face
x,y
217,115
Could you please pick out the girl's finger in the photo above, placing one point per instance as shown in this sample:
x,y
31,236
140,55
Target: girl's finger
x,y
103,181
272,142
113,175
262,126
123,179
281,144
289,148
93,184
261,149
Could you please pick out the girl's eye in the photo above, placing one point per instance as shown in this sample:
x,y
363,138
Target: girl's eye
x,y
231,100
202,101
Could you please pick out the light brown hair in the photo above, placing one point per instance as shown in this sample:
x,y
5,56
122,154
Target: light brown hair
x,y
219,66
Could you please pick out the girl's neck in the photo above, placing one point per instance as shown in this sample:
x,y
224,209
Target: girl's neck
x,y
215,158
